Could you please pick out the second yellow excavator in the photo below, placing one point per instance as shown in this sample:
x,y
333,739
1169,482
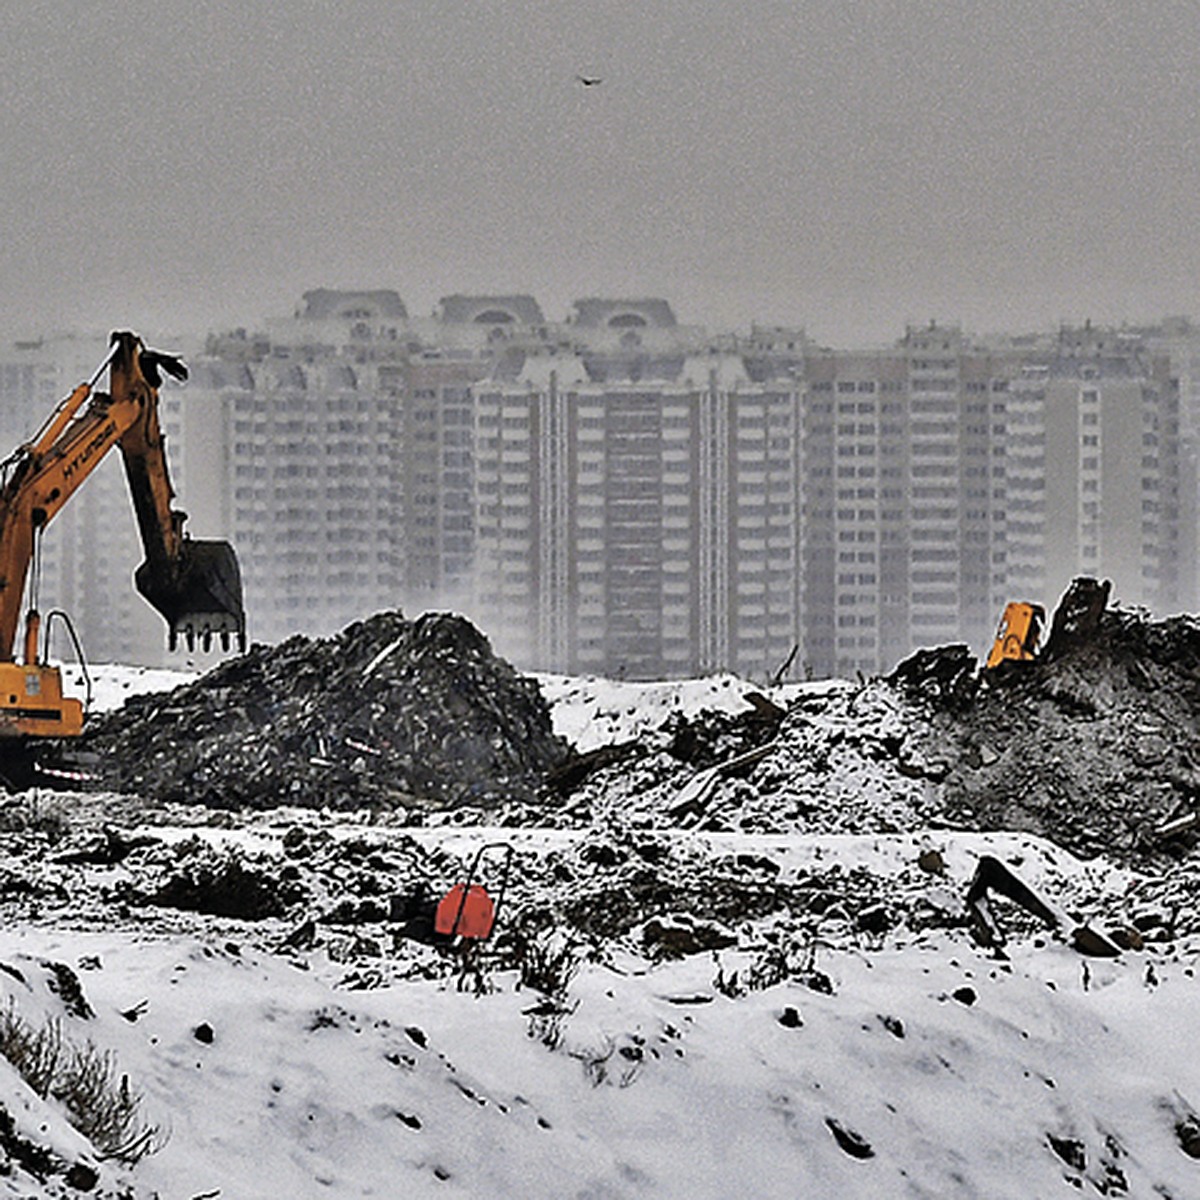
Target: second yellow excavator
x,y
195,585
1019,633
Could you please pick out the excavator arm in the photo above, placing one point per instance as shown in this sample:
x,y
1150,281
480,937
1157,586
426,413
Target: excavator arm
x,y
195,585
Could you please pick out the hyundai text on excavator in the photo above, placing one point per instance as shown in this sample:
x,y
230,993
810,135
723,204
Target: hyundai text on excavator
x,y
195,585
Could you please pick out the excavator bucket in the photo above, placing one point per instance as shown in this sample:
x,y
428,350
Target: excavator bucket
x,y
1019,633
201,598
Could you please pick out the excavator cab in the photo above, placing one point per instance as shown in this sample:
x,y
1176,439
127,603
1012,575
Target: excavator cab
x,y
1019,633
33,707
32,703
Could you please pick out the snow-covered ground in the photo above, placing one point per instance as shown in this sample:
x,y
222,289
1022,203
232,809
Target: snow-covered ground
x,y
109,685
591,712
903,1061
957,1074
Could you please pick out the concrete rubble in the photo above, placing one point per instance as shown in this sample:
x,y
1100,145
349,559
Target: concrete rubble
x,y
1095,744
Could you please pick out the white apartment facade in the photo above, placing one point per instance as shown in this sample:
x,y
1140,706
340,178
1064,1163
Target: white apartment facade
x,y
618,494
645,528
1100,472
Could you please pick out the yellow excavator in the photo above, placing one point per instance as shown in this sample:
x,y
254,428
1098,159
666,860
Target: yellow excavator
x,y
195,585
1019,633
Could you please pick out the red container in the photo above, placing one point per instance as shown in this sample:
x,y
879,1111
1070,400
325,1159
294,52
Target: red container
x,y
465,911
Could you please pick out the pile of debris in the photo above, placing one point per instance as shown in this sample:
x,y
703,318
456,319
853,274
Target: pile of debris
x,y
841,760
388,713
1095,743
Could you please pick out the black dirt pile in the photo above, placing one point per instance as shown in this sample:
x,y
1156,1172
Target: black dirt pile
x,y
306,875
389,713
1095,744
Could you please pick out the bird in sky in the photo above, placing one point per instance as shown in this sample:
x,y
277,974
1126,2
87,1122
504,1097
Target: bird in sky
x,y
589,80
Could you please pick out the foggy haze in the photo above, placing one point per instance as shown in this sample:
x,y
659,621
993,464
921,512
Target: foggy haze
x,y
844,167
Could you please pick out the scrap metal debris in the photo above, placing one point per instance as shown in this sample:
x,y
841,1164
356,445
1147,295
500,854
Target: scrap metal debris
x,y
1078,615
948,674
389,713
991,875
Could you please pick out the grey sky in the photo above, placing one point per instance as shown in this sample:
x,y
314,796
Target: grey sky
x,y
846,166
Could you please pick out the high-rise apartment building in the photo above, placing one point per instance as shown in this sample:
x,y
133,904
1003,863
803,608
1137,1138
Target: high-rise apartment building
x,y
1179,340
347,461
617,493
637,503
1099,471
464,340
647,528
902,479
304,459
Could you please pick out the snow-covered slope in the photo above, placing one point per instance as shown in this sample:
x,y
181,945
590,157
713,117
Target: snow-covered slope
x,y
111,684
591,712
786,1004
930,1071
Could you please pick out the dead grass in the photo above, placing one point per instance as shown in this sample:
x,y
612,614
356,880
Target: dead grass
x,y
99,1102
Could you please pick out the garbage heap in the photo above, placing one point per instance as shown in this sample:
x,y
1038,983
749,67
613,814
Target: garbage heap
x,y
1095,743
388,713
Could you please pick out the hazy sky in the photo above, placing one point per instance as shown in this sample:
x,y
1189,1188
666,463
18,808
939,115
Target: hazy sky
x,y
846,166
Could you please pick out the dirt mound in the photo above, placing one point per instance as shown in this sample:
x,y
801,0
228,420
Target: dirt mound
x,y
389,712
1095,744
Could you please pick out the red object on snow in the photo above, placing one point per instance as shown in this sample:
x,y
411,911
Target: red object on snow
x,y
465,910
